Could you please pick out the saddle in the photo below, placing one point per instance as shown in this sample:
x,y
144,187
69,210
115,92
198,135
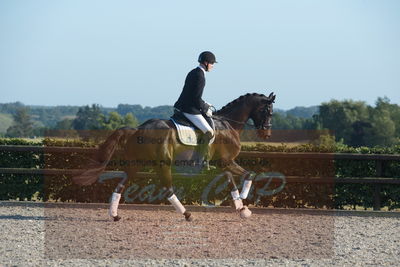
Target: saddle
x,y
188,133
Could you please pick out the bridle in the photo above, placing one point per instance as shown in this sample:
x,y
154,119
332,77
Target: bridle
x,y
265,123
267,116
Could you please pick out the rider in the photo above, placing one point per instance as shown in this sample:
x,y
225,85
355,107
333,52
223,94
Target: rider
x,y
190,102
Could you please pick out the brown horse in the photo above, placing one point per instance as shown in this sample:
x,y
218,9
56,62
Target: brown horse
x,y
156,142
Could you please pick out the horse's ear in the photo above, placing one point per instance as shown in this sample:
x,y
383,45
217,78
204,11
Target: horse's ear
x,y
271,97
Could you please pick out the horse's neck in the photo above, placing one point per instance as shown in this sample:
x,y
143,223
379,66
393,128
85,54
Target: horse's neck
x,y
237,116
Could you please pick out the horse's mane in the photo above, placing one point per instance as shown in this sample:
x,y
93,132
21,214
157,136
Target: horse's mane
x,y
233,103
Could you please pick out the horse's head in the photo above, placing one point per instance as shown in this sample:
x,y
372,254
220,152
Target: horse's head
x,y
261,115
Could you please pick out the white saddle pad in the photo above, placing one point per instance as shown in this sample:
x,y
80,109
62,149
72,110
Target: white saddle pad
x,y
187,135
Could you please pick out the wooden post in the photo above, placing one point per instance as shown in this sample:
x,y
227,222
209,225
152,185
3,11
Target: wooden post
x,y
377,186
377,196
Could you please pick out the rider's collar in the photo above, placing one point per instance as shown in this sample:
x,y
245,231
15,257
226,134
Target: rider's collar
x,y
202,68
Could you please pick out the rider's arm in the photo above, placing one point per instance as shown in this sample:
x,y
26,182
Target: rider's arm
x,y
198,83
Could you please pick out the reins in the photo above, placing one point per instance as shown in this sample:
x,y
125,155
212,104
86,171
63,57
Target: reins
x,y
239,122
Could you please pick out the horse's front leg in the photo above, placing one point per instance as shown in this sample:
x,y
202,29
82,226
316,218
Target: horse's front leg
x,y
166,179
233,168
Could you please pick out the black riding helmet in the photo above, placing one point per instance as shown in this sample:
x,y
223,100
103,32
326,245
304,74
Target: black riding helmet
x,y
207,56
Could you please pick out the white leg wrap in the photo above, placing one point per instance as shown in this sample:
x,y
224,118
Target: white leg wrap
x,y
114,204
235,194
245,189
236,199
177,204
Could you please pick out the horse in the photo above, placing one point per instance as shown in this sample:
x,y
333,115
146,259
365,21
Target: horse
x,y
156,140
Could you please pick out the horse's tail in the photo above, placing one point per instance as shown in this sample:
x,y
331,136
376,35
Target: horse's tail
x,y
98,164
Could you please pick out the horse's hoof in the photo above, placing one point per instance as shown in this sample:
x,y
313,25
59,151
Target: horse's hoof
x,y
188,216
245,213
116,218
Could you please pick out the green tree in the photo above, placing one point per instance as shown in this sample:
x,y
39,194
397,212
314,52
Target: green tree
x,y
113,122
22,126
340,116
384,118
288,121
65,124
89,118
394,112
6,120
361,125
130,120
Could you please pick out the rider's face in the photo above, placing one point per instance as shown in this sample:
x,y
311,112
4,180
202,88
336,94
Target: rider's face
x,y
210,66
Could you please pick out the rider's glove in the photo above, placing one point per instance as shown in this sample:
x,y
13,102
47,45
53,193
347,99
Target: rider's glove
x,y
209,112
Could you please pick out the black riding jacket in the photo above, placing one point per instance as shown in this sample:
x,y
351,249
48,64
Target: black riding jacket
x,y
190,100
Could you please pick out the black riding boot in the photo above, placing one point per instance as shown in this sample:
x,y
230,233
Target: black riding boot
x,y
203,149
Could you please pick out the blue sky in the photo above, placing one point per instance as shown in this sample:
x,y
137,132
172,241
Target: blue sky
x,y
73,52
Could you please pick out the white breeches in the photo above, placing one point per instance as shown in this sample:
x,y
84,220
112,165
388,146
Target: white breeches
x,y
200,122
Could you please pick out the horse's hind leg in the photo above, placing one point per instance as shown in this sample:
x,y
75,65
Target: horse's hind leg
x,y
166,177
115,198
236,169
116,195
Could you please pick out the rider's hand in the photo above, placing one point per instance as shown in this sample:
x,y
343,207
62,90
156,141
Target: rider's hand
x,y
210,106
209,112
